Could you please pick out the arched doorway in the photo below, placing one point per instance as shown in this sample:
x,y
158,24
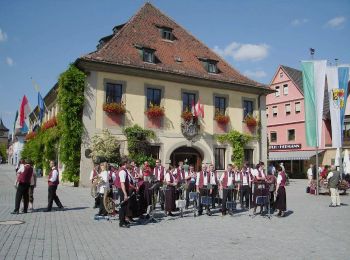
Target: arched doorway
x,y
192,155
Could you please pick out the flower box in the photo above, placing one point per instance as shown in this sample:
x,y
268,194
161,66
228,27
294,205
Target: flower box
x,y
187,115
251,121
114,108
49,124
30,136
222,119
155,111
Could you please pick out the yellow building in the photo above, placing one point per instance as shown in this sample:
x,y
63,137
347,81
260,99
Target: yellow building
x,y
152,60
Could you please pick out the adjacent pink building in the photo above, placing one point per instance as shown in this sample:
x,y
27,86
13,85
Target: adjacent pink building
x,y
286,123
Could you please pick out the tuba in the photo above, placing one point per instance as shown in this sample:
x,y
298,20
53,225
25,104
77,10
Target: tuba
x,y
96,183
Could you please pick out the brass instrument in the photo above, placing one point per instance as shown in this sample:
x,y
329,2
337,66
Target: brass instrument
x,y
96,183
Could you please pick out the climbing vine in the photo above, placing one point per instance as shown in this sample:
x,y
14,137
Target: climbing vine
x,y
237,141
139,144
71,102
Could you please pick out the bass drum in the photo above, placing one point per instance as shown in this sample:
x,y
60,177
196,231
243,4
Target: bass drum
x,y
108,202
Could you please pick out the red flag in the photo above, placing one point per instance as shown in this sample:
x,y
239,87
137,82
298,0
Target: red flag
x,y
199,109
193,110
23,111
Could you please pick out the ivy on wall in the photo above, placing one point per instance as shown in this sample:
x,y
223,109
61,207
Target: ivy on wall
x,y
237,141
3,153
42,148
139,144
71,102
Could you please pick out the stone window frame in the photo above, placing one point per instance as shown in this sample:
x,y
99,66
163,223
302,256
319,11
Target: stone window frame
x,y
227,101
247,99
113,81
184,90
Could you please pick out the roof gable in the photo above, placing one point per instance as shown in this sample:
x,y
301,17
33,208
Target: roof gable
x,y
184,55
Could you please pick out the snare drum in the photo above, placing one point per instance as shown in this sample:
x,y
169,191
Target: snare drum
x,y
193,196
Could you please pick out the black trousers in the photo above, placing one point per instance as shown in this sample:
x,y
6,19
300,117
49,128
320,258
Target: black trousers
x,y
53,197
123,207
226,196
202,193
245,192
102,210
213,195
191,188
157,192
22,192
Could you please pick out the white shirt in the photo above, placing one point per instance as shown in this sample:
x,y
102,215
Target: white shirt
x,y
238,176
167,177
205,179
309,172
21,168
54,175
229,178
192,174
104,176
255,173
330,175
246,179
122,175
279,179
212,178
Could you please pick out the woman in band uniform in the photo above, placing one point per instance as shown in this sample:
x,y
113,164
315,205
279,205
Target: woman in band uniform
x,y
281,197
171,183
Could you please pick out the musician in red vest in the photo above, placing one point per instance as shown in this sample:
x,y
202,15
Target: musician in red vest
x,y
259,178
23,180
226,180
281,198
190,178
123,190
93,175
214,182
159,173
146,174
245,186
53,182
202,181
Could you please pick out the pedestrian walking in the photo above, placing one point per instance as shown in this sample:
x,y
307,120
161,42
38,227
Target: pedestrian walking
x,y
333,178
53,184
23,179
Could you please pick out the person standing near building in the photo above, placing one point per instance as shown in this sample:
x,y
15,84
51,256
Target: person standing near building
x,y
171,183
310,173
281,198
159,173
214,184
23,179
226,180
190,178
31,191
53,182
333,181
202,181
124,192
259,178
93,175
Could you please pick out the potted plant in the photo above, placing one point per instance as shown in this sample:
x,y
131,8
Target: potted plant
x,y
30,136
114,108
221,118
50,123
187,115
251,121
155,111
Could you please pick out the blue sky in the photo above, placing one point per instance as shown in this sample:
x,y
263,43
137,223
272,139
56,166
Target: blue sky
x,y
39,38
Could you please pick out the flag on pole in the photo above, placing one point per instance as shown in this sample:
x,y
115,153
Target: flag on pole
x,y
15,123
198,109
334,105
314,73
343,78
24,111
41,106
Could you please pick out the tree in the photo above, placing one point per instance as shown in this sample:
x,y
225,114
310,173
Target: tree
x,y
105,146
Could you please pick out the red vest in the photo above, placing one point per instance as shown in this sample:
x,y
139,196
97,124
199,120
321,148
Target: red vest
x,y
26,175
201,179
56,182
94,174
180,174
284,179
156,173
225,179
117,181
172,179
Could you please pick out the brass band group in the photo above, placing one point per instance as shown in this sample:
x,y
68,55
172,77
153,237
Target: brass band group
x,y
141,188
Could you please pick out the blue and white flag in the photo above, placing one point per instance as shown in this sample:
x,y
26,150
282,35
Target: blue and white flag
x,y
41,106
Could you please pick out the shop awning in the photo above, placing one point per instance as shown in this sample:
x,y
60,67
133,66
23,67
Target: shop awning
x,y
294,155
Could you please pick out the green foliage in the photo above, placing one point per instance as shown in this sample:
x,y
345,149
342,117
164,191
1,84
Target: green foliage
x,y
3,152
139,145
71,102
237,141
106,147
42,148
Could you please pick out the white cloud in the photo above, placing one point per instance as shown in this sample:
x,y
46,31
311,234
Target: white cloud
x,y
336,22
9,61
255,74
244,52
299,21
3,36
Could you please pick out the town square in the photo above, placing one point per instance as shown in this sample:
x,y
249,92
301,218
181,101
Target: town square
x,y
174,130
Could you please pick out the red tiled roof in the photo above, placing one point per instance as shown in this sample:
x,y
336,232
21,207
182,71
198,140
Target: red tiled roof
x,y
143,30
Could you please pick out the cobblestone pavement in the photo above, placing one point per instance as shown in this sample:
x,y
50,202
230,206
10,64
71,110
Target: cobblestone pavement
x,y
311,230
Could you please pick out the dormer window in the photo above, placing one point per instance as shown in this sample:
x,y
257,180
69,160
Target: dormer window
x,y
210,65
212,68
166,33
148,55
